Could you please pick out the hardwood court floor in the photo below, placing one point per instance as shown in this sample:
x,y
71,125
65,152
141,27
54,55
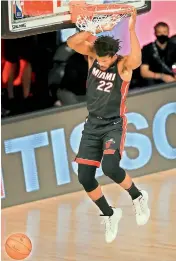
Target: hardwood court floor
x,y
67,228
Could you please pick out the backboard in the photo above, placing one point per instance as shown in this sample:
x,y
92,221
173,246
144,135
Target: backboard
x,y
20,18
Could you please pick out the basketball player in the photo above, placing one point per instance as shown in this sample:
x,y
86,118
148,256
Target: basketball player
x,y
104,130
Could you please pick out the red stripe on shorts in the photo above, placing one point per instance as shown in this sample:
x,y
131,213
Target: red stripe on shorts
x,y
88,162
109,151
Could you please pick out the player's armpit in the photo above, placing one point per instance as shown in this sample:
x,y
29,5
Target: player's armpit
x,y
132,62
124,72
90,61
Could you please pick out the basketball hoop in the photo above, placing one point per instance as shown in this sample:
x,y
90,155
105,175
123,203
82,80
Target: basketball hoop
x,y
91,17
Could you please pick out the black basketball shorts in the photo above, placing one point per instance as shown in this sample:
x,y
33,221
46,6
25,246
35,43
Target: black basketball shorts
x,y
101,137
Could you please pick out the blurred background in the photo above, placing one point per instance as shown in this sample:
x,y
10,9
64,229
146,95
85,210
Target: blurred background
x,y
40,72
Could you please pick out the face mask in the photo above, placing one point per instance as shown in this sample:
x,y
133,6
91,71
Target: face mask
x,y
162,38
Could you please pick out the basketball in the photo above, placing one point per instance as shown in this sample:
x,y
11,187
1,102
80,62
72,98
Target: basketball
x,y
18,246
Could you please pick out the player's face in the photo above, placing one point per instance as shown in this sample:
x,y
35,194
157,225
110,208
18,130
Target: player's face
x,y
105,62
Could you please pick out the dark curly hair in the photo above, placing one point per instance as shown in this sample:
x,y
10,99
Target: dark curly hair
x,y
106,46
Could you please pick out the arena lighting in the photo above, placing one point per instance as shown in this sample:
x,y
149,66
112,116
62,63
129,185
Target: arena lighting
x,y
26,145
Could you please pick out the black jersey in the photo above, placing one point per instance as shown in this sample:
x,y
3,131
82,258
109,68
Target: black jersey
x,y
106,92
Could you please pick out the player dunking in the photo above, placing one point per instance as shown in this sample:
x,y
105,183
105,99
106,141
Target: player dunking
x,y
104,130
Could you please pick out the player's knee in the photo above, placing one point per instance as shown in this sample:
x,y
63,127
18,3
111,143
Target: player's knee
x,y
86,177
111,168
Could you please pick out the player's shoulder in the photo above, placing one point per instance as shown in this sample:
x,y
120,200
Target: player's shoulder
x,y
91,53
121,58
121,61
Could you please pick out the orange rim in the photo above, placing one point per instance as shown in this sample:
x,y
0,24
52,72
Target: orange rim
x,y
83,9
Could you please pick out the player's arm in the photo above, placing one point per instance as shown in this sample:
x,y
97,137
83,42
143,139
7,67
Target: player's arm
x,y
79,42
133,60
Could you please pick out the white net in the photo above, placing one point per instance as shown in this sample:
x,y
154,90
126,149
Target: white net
x,y
98,22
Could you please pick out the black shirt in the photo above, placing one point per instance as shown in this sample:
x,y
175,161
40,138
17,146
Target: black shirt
x,y
75,75
168,55
106,92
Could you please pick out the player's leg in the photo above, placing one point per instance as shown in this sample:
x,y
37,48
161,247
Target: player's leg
x,y
88,159
111,167
86,177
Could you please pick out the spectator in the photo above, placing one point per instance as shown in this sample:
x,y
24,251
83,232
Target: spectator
x,y
17,69
72,88
56,74
67,79
173,39
159,57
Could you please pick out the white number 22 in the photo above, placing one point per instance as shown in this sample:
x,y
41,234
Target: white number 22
x,y
105,86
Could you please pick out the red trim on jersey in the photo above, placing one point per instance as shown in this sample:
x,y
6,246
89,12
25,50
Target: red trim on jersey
x,y
122,142
123,110
88,162
124,92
